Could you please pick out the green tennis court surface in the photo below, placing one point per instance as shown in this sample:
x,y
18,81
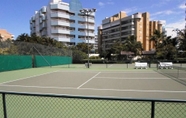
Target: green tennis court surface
x,y
112,80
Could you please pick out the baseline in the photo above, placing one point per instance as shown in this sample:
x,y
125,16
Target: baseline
x,y
96,89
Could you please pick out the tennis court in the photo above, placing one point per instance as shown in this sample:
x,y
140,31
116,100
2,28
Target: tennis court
x,y
113,80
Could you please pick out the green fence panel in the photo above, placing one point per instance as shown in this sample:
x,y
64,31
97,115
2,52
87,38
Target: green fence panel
x,y
14,62
40,61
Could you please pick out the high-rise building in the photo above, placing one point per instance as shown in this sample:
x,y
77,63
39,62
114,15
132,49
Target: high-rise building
x,y
4,35
119,26
64,22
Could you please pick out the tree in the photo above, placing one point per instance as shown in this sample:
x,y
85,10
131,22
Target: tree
x,y
40,40
1,38
157,38
83,47
23,37
131,44
117,47
182,39
167,49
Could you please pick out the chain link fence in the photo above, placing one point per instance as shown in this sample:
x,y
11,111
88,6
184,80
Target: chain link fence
x,y
26,48
20,55
18,105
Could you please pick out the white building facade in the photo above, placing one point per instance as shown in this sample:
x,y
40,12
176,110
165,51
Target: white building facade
x,y
64,22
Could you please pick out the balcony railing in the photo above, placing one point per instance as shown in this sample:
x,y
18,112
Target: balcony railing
x,y
60,23
60,15
60,6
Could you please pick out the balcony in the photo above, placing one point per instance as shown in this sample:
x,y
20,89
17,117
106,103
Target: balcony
x,y
86,27
106,26
106,21
33,18
30,21
60,31
127,24
72,32
44,33
43,17
60,6
72,24
44,9
125,35
84,18
92,41
63,39
115,23
128,29
60,15
137,16
111,38
60,23
40,20
43,25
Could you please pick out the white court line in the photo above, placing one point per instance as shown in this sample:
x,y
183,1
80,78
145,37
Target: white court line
x,y
28,77
134,90
88,80
96,89
39,87
131,72
133,78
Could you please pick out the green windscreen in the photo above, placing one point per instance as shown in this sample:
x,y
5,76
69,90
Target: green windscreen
x,y
14,62
40,61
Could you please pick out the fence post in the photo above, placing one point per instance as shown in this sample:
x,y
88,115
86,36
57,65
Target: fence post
x,y
153,109
4,105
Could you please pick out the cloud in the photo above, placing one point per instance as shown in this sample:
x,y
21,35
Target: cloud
x,y
182,6
101,4
179,24
129,10
109,2
166,12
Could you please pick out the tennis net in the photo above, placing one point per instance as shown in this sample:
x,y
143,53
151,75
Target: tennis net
x,y
177,73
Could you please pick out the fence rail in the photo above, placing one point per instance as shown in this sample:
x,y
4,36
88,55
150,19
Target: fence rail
x,y
26,105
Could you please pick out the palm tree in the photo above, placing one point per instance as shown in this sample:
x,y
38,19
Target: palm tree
x,y
131,44
167,48
23,37
157,38
117,47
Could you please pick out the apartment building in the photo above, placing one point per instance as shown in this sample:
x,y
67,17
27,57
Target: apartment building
x,y
119,26
4,35
64,22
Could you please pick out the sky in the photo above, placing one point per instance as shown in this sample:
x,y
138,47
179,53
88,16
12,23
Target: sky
x,y
15,14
